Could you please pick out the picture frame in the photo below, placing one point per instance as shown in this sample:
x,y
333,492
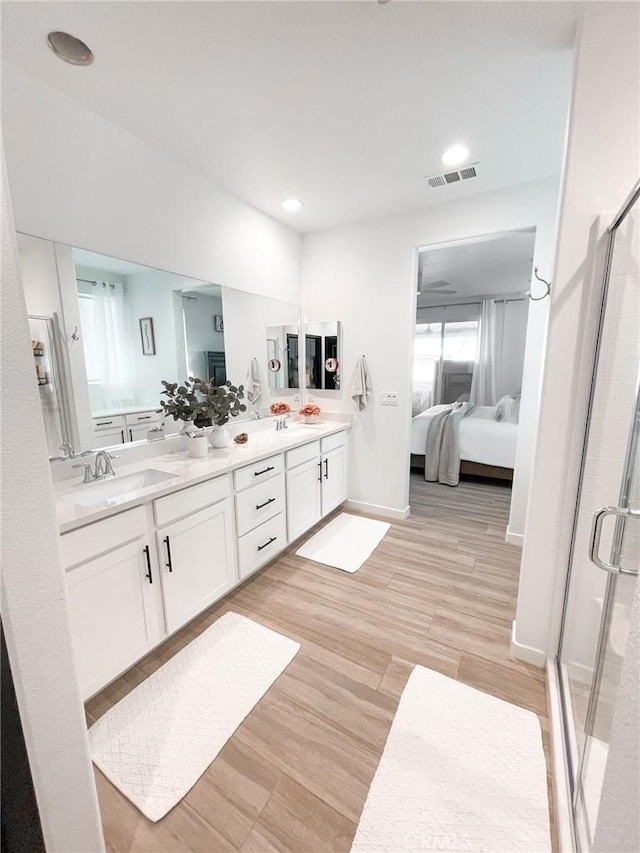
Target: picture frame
x,y
147,336
218,323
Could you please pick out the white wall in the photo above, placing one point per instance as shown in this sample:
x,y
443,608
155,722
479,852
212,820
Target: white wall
x,y
601,168
76,178
34,604
365,276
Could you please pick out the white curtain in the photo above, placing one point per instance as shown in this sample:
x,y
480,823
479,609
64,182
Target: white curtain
x,y
106,344
487,380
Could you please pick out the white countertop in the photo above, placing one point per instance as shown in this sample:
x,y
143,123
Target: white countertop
x,y
184,470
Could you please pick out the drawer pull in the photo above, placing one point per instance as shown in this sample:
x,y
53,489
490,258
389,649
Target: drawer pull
x,y
143,418
264,471
104,423
273,539
148,556
266,503
168,564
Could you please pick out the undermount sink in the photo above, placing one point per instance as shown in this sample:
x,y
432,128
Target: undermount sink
x,y
117,488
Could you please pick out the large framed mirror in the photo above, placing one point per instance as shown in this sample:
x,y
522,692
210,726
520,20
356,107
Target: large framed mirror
x,y
107,332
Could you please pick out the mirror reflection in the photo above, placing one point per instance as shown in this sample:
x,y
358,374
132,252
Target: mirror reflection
x,y
106,334
323,354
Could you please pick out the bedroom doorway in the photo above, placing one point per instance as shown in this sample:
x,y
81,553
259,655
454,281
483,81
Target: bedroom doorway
x,y
471,320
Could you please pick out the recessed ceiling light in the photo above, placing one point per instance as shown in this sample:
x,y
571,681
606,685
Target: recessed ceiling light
x,y
292,204
69,48
455,155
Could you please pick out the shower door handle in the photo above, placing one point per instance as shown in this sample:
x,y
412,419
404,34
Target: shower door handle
x,y
596,534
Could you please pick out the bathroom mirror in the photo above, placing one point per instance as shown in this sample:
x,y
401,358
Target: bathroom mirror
x,y
115,330
323,355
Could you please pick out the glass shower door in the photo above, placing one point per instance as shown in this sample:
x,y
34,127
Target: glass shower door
x,y
605,550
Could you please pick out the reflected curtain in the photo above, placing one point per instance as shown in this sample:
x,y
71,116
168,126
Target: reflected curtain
x,y
486,380
106,344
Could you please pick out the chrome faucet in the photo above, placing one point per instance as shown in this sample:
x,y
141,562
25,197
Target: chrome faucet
x,y
67,450
281,423
102,470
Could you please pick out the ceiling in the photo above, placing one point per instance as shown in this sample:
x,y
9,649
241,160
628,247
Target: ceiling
x,y
345,105
497,264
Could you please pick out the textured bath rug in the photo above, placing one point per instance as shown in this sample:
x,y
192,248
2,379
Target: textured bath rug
x,y
156,742
345,543
461,770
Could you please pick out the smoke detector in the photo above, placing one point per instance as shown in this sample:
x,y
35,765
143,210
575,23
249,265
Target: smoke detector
x,y
455,176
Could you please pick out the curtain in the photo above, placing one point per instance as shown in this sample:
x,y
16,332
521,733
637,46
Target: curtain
x,y
487,380
106,344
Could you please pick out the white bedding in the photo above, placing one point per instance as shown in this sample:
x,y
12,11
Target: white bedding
x,y
482,438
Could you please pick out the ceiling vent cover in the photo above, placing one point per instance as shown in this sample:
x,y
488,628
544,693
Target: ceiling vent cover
x,y
453,177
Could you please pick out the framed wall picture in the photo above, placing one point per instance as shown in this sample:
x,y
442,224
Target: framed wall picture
x,y
218,323
147,336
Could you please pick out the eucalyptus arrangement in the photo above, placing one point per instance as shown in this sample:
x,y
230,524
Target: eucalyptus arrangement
x,y
204,404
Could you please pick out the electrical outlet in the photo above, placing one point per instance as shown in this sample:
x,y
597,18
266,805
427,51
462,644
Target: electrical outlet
x,y
389,398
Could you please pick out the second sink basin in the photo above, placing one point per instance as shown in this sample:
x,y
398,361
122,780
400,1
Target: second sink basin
x,y
117,488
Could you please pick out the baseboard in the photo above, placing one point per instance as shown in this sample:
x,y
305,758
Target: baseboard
x,y
513,538
528,654
559,765
375,509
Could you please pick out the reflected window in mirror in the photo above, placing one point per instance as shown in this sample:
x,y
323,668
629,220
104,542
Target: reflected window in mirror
x,y
323,355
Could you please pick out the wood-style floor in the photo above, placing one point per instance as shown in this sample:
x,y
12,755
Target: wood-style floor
x,y
439,591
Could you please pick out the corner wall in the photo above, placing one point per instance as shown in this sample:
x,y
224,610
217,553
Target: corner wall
x,y
365,276
601,167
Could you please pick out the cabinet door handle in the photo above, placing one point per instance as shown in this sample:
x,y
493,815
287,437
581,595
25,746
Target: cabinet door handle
x,y
130,435
326,469
273,539
319,472
148,556
168,564
266,503
122,434
270,468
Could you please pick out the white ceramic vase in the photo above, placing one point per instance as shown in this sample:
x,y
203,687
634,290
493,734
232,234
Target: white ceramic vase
x,y
197,446
219,437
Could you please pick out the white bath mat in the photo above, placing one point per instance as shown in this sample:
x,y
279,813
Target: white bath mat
x,y
461,770
345,543
157,741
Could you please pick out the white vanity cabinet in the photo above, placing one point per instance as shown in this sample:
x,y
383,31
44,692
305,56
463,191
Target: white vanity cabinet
x,y
317,482
335,472
196,552
120,429
260,513
114,597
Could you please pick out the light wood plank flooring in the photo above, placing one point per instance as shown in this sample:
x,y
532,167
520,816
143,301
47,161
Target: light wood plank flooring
x,y
439,591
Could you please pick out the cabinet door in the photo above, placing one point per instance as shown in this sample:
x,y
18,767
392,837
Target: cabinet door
x,y
112,606
108,437
198,558
334,478
303,498
137,433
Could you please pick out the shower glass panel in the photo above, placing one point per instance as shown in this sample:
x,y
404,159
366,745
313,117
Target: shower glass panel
x,y
605,549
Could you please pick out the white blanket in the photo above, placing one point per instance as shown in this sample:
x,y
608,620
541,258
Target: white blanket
x,y
481,438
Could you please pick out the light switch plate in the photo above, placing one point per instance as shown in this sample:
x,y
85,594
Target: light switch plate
x,y
389,398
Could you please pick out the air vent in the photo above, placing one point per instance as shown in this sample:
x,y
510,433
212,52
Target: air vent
x,y
453,177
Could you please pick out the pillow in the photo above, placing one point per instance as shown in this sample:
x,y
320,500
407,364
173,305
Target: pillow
x,y
508,409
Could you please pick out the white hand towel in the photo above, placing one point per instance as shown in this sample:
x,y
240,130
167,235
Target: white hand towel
x,y
361,385
254,388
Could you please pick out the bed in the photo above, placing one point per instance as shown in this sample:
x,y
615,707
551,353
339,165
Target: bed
x,y
487,446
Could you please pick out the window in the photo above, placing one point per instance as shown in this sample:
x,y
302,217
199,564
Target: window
x,y
444,357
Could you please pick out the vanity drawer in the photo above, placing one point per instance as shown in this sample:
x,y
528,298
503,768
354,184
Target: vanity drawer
x,y
251,475
186,501
88,542
331,442
150,418
261,545
108,422
259,503
300,455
